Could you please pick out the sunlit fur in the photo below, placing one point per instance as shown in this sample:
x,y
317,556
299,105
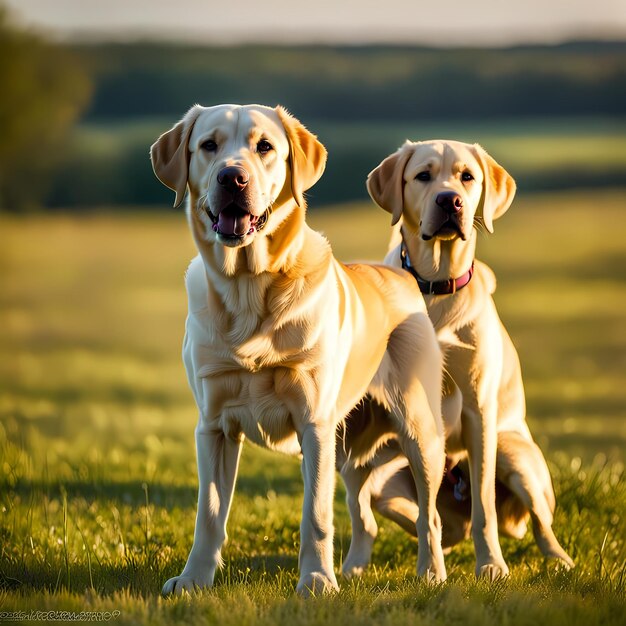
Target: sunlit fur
x,y
282,340
492,440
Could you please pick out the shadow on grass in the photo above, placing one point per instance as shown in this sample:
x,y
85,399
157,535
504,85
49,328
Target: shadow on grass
x,y
141,573
133,493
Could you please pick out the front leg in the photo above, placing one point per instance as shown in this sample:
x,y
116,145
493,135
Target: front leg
x,y
481,439
316,529
218,459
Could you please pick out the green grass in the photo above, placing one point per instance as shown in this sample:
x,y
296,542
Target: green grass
x,y
97,492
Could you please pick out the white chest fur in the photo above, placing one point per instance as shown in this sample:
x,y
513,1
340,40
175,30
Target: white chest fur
x,y
252,361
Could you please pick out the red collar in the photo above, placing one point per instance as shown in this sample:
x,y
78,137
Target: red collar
x,y
437,287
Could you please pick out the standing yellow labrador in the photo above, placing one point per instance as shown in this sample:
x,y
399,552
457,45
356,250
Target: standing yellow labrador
x,y
282,340
440,191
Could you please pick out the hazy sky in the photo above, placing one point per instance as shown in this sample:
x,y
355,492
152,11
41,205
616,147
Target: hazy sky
x,y
439,22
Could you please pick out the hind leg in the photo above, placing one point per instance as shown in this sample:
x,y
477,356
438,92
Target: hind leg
x,y
409,383
364,527
364,450
396,498
388,486
522,468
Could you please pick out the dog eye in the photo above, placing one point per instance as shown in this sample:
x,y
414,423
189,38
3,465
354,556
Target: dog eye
x,y
209,145
466,176
264,146
423,176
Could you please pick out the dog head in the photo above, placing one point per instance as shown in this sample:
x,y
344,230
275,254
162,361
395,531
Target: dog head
x,y
442,188
240,163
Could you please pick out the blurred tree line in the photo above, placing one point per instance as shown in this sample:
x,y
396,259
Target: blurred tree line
x,y
375,83
124,95
44,89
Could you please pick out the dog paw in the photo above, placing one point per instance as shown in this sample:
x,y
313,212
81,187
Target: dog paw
x,y
562,561
432,575
352,571
492,571
431,568
316,583
354,565
182,584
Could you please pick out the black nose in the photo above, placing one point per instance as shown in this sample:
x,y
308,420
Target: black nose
x,y
233,177
449,201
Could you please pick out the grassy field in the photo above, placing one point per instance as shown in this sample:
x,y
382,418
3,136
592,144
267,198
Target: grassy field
x,y
98,482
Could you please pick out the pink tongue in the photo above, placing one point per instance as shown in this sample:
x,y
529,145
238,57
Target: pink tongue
x,y
230,223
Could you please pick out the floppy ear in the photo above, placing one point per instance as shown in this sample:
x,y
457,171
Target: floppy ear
x,y
307,156
170,155
498,189
385,184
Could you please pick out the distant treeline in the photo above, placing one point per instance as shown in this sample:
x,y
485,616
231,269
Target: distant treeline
x,y
361,83
361,100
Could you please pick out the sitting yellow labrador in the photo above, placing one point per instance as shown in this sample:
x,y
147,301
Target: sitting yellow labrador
x,y
438,193
282,340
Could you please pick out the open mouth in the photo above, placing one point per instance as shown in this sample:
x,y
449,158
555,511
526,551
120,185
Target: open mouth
x,y
233,222
448,230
